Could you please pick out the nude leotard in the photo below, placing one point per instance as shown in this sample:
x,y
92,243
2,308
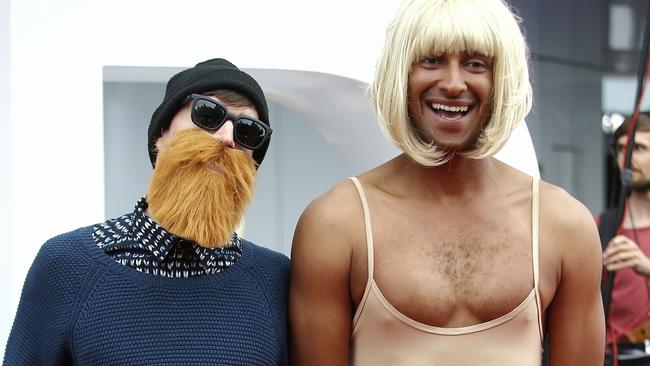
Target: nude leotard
x,y
381,335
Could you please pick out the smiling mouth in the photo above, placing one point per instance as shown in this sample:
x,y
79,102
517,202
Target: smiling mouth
x,y
450,112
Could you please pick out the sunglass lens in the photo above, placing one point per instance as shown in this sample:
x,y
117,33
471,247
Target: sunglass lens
x,y
208,115
250,133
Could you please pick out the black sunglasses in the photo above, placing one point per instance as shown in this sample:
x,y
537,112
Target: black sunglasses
x,y
210,115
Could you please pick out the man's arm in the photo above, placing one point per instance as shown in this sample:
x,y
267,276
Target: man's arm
x,y
575,318
623,252
320,305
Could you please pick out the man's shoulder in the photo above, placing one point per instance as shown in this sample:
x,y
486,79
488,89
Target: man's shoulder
x,y
563,206
270,268
68,244
566,219
66,254
336,205
266,255
61,266
331,223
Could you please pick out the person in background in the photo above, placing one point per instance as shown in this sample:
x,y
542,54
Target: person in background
x,y
628,321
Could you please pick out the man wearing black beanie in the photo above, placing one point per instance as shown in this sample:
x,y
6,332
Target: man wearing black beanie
x,y
171,282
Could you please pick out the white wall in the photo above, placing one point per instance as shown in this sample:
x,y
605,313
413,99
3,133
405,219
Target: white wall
x,y
6,314
57,49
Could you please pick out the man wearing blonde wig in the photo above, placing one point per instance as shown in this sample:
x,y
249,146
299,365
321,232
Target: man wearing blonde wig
x,y
170,283
444,255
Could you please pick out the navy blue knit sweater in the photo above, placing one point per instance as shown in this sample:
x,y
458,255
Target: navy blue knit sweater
x,y
79,306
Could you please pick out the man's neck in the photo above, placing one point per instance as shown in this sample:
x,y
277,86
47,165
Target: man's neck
x,y
457,179
638,210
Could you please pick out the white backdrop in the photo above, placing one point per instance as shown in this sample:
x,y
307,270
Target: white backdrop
x,y
57,49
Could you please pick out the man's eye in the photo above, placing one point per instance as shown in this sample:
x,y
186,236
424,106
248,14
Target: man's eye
x,y
477,64
432,60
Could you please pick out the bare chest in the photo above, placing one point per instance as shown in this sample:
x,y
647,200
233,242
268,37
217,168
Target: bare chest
x,y
453,270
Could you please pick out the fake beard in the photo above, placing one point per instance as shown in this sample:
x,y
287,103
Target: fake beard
x,y
200,188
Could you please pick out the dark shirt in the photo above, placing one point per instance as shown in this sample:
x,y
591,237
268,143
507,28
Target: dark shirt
x,y
136,240
81,307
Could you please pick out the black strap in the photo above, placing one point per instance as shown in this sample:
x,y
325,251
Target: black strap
x,y
607,227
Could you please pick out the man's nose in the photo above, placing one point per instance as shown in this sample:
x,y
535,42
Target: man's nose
x,y
633,161
225,134
452,82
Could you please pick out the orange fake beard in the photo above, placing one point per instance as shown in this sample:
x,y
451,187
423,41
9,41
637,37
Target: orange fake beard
x,y
200,188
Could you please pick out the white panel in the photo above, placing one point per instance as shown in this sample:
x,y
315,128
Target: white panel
x,y
519,151
622,23
619,94
127,111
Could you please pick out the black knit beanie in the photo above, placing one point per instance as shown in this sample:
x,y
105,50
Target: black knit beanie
x,y
205,77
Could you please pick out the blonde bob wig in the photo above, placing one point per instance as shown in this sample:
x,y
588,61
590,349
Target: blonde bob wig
x,y
434,27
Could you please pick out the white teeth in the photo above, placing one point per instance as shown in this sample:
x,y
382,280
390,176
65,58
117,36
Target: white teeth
x,y
449,108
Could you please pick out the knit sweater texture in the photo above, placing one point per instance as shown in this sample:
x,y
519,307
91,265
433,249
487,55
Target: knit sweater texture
x,y
81,307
